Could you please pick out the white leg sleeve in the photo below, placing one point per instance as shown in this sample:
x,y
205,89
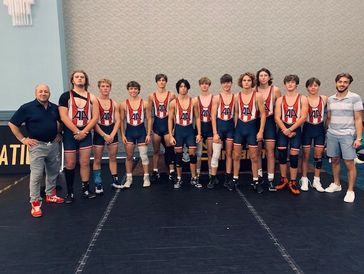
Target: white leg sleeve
x,y
143,153
216,151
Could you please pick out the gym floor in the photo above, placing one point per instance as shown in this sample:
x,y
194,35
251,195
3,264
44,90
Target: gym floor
x,y
162,230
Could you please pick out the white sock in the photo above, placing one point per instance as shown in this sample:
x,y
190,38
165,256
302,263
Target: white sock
x,y
155,169
316,179
255,178
270,176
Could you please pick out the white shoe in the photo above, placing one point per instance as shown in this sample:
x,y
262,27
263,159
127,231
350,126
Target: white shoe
x,y
333,188
128,183
304,183
146,182
358,161
317,185
349,197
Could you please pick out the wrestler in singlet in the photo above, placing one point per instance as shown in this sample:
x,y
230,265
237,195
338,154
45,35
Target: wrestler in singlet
x,y
80,117
160,124
135,132
313,128
224,119
246,128
290,114
270,129
184,133
205,117
106,123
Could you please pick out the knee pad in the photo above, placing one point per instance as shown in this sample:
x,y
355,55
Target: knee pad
x,y
293,160
282,156
143,153
199,150
169,155
318,163
216,151
193,159
179,156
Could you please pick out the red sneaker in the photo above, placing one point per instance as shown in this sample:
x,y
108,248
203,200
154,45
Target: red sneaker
x,y
282,184
36,211
54,199
293,187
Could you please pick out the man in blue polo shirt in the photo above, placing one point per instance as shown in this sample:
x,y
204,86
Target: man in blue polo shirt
x,y
40,117
344,119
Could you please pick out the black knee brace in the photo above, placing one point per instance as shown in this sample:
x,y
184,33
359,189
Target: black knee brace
x,y
318,163
293,160
282,156
193,159
179,156
169,155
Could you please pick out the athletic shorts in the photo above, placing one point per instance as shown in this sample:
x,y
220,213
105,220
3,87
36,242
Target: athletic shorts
x,y
225,129
160,126
294,142
206,130
135,134
270,128
246,133
71,144
340,145
315,133
185,135
98,140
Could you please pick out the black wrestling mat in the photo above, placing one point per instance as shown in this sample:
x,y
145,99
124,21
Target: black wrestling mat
x,y
163,230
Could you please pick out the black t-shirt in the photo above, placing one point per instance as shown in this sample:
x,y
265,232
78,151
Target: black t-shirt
x,y
63,100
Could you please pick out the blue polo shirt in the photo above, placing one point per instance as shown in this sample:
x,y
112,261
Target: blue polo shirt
x,y
40,123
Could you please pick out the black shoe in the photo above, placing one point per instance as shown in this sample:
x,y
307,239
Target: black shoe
x,y
87,193
232,183
154,177
115,184
212,182
227,180
271,186
69,198
99,190
172,177
258,187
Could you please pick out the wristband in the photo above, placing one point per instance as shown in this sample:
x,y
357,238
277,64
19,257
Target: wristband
x,y
103,135
23,139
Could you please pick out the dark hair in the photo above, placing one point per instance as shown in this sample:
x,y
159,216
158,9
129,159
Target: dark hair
x,y
160,76
346,75
226,78
291,77
312,80
182,81
133,84
250,75
87,82
270,81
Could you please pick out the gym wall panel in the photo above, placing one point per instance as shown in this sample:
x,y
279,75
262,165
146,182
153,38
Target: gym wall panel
x,y
133,40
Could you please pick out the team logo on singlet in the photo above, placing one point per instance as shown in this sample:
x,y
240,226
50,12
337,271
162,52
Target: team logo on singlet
x,y
134,117
161,107
205,111
315,114
106,116
184,116
79,116
225,111
249,111
291,113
